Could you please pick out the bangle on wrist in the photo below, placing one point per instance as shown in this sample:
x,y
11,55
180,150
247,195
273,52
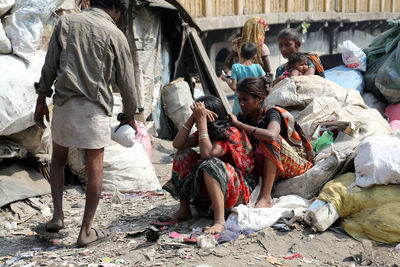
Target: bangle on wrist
x,y
254,131
203,136
186,128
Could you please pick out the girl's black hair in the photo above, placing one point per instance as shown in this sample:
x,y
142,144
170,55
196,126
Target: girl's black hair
x,y
120,5
296,57
291,34
254,86
216,129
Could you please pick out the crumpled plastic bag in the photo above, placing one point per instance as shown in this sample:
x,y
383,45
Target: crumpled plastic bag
x,y
353,57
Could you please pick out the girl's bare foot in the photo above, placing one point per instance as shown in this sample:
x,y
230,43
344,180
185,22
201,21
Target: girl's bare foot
x,y
264,202
217,228
180,215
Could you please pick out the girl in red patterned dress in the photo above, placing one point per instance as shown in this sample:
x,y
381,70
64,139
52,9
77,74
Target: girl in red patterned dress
x,y
214,180
281,148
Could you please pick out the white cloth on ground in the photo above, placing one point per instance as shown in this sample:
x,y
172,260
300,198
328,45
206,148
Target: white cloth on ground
x,y
258,219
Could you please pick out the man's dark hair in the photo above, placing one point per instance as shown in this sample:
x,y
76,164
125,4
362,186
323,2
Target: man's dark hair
x,y
120,5
296,57
249,50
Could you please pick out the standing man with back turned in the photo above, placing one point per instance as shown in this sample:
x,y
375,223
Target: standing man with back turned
x,y
87,53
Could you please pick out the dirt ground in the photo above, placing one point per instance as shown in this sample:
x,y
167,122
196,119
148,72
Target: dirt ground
x,y
131,214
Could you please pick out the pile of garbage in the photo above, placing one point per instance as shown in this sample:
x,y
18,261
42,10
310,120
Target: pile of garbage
x,y
352,117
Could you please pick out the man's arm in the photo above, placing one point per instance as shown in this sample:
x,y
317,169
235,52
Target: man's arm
x,y
51,64
125,80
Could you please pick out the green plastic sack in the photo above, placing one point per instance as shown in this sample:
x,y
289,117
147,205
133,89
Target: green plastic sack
x,y
383,68
324,140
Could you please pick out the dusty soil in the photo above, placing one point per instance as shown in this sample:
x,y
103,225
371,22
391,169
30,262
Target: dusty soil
x,y
131,214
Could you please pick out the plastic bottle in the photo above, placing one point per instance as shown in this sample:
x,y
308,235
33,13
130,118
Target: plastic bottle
x,y
320,215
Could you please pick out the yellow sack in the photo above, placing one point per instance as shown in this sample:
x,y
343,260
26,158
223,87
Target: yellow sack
x,y
372,213
381,224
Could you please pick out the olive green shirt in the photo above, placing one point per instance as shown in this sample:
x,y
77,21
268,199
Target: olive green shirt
x,y
87,53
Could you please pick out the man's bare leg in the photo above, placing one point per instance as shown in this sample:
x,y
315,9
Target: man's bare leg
x,y
217,199
94,173
58,161
268,179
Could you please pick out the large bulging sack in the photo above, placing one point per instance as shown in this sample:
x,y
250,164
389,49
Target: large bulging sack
x,y
17,94
378,161
24,26
177,99
368,212
124,169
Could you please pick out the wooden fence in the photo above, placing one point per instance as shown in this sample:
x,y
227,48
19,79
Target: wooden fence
x,y
220,8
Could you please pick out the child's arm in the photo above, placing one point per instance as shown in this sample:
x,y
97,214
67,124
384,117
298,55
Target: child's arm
x,y
295,72
233,84
310,71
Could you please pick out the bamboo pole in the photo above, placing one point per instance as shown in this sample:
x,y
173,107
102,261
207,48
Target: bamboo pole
x,y
289,5
266,6
238,7
309,6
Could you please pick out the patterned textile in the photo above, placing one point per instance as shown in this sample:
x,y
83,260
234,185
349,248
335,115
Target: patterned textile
x,y
231,170
253,32
292,156
319,69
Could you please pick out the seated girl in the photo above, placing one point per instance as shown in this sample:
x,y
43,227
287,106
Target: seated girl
x,y
289,42
282,150
214,180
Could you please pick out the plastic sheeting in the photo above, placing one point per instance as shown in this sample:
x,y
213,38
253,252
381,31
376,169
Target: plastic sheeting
x,y
21,182
5,44
346,77
383,53
145,40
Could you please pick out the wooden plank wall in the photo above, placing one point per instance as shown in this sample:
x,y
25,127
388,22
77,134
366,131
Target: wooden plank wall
x,y
218,8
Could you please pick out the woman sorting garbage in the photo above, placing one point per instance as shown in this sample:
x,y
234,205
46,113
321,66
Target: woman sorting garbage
x,y
282,150
212,177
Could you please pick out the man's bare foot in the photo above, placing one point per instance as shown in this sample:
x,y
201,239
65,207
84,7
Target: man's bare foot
x,y
54,225
94,236
86,238
264,203
217,228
